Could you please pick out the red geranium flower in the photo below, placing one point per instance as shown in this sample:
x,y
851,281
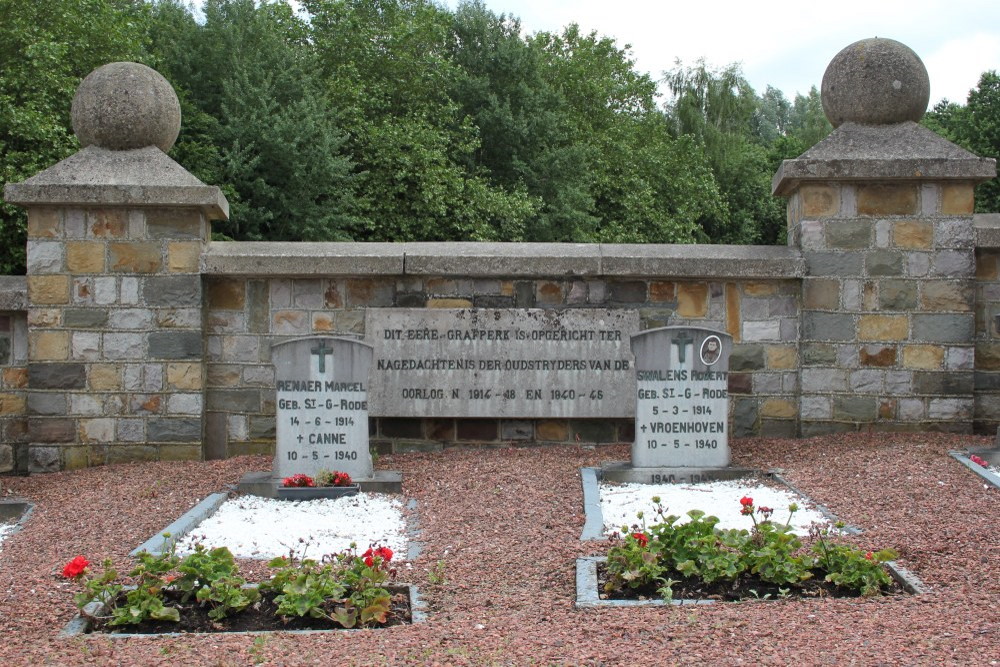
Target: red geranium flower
x,y
979,460
870,556
385,553
341,479
298,480
641,539
746,501
75,567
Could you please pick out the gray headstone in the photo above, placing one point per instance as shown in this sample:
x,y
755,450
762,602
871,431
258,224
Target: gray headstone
x,y
682,404
322,410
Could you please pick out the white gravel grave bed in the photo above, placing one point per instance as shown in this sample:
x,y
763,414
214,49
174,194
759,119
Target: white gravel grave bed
x,y
254,527
5,530
620,504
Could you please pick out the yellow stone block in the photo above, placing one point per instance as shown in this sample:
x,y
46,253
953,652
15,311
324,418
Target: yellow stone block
x,y
986,265
15,378
143,257
782,358
184,375
85,257
44,318
184,256
819,201
11,404
733,321
554,431
44,223
661,290
48,345
778,408
941,295
759,289
507,288
180,452
881,199
226,294
109,223
322,322
913,235
923,357
957,200
883,327
449,303
48,290
692,299
104,377
75,458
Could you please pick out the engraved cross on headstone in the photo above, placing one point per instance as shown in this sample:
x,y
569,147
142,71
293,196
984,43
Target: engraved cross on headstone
x,y
321,351
682,340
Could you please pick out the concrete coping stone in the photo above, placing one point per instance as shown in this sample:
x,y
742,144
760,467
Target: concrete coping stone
x,y
141,177
872,153
695,261
13,293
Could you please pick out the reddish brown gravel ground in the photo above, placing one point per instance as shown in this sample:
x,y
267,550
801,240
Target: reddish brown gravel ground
x,y
503,527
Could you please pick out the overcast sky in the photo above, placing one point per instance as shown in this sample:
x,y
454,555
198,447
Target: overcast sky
x,y
783,43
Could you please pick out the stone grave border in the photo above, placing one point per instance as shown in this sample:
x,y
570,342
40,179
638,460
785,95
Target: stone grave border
x,y
963,458
593,529
80,625
15,511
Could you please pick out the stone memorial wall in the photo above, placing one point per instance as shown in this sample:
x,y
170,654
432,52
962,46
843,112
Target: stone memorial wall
x,y
134,337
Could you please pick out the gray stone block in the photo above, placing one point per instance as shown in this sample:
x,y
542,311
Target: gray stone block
x,y
884,263
828,326
745,415
172,291
175,345
85,318
818,354
747,358
43,459
953,263
47,403
57,376
833,263
855,408
234,400
944,328
848,234
823,380
517,430
926,382
174,430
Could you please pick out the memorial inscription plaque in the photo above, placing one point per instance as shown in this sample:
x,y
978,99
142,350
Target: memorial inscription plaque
x,y
515,363
682,404
322,406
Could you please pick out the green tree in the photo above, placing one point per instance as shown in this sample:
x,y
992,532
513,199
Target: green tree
x,y
46,49
388,73
261,124
720,110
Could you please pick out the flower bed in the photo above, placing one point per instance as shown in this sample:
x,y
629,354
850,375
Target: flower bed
x,y
203,592
697,560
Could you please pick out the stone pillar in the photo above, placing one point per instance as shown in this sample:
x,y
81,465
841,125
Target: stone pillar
x,y
882,210
115,236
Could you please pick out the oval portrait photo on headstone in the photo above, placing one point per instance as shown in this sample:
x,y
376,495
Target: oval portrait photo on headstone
x,y
711,350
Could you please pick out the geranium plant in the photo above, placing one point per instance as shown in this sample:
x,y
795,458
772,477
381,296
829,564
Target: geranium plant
x,y
333,478
667,553
298,481
979,460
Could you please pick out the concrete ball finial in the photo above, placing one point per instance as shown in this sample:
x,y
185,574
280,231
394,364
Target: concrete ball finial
x,y
875,82
121,106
